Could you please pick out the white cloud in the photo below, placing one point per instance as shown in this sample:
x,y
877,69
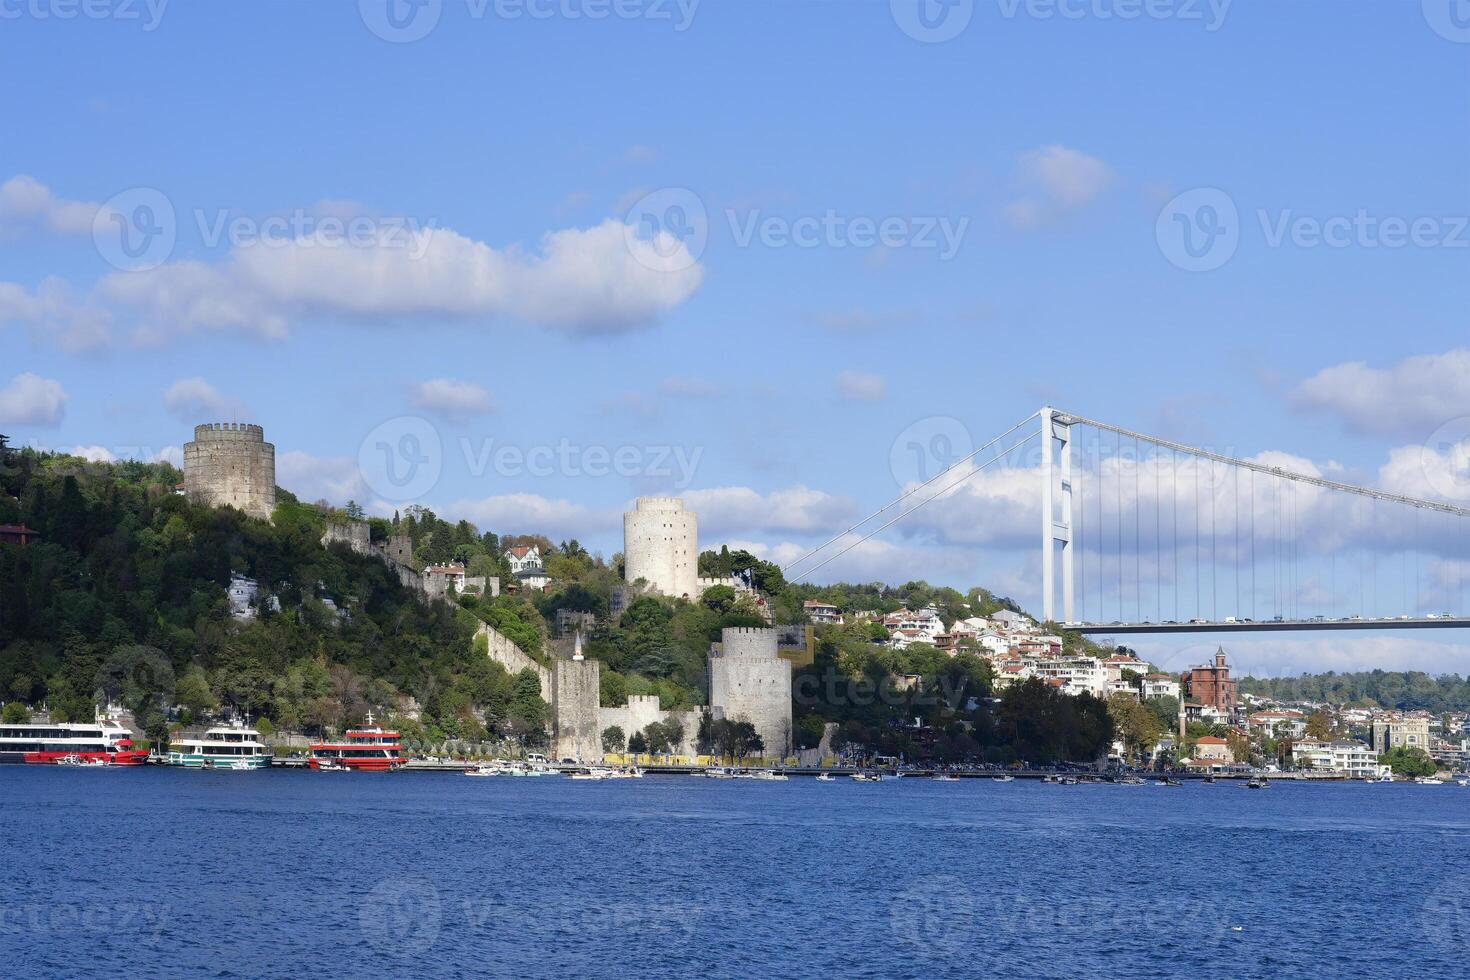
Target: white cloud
x,y
336,479
456,400
52,312
94,454
194,400
32,400
517,513
1411,398
585,281
858,386
873,560
1057,180
796,509
26,203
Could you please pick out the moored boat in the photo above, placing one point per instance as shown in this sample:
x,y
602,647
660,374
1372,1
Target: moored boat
x,y
233,748
102,742
365,749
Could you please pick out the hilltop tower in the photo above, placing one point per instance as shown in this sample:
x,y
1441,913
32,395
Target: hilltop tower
x,y
661,546
231,463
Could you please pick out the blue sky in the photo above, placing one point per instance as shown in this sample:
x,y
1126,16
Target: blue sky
x,y
768,381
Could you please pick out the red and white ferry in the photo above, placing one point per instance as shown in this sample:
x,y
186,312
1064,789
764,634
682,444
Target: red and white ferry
x,y
88,743
368,749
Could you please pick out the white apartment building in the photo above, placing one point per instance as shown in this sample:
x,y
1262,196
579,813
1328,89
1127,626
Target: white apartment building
x,y
1078,674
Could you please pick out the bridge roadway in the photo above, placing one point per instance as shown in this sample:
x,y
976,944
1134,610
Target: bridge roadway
x,y
1272,625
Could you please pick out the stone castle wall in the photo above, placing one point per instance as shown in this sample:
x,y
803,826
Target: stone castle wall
x,y
750,681
661,546
641,711
231,464
504,652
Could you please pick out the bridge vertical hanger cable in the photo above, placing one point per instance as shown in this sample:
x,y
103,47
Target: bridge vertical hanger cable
x,y
1137,539
1174,517
1118,503
1158,539
1214,555
1198,608
1081,526
1235,533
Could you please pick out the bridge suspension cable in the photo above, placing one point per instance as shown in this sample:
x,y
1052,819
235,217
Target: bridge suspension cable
x,y
789,568
1288,548
889,523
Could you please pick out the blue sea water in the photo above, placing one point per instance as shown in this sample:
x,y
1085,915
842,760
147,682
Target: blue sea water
x,y
165,873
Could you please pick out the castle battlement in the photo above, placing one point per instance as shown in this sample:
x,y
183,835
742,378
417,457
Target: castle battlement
x,y
228,431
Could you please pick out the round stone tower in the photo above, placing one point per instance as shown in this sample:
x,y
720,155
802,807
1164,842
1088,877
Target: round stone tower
x,y
750,681
661,546
231,463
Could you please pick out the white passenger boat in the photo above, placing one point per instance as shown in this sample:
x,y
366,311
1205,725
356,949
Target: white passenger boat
x,y
234,748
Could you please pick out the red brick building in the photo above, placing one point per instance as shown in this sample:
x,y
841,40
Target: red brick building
x,y
1212,684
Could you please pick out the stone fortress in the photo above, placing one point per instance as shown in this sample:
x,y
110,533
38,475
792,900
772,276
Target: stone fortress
x,y
231,464
661,546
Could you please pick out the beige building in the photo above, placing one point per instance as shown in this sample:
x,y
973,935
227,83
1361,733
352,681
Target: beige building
x,y
1400,731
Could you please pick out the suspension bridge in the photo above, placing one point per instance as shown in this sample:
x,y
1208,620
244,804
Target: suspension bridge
x,y
1140,534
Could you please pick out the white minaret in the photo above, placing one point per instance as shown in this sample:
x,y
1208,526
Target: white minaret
x,y
577,649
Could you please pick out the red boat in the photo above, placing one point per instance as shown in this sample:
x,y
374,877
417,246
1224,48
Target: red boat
x,y
367,749
87,743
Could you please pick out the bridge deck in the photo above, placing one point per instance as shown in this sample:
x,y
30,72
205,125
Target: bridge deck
x,y
1274,625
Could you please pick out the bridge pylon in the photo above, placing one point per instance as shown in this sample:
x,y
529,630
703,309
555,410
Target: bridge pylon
x,y
1056,512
